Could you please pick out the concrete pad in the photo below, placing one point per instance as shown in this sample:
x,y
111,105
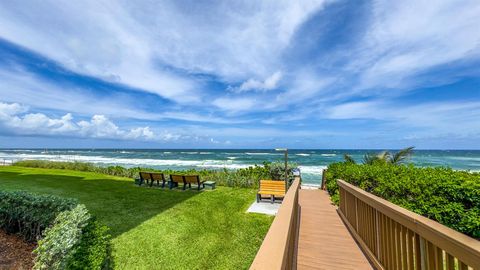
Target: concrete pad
x,y
265,207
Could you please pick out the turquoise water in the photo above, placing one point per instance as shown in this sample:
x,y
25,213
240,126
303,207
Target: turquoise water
x,y
311,162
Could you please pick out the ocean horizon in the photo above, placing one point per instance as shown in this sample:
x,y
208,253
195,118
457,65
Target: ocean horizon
x,y
310,161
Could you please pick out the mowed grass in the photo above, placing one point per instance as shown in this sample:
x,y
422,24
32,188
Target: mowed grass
x,y
153,228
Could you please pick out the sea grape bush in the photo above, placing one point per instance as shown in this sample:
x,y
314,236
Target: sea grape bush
x,y
75,241
68,236
28,214
243,177
449,197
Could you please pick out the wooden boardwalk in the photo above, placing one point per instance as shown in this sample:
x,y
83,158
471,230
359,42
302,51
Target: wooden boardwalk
x,y
324,241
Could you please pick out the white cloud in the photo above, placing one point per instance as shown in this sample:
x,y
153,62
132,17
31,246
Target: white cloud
x,y
141,132
7,110
130,42
268,84
15,120
417,36
434,117
19,86
155,46
233,104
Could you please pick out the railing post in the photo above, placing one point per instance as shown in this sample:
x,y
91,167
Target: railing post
x,y
324,179
356,214
377,233
423,254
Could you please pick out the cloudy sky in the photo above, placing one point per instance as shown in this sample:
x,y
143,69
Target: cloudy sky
x,y
240,74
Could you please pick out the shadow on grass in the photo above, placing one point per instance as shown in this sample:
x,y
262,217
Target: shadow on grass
x,y
121,205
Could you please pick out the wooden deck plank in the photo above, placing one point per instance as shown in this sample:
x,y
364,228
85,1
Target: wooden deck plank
x,y
324,241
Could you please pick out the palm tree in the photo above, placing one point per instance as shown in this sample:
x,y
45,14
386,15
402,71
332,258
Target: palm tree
x,y
383,157
401,155
370,158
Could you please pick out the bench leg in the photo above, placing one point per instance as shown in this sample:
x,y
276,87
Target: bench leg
x,y
273,198
170,184
184,186
163,184
258,198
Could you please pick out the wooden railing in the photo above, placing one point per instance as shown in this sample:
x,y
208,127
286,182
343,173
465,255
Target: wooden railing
x,y
395,238
278,248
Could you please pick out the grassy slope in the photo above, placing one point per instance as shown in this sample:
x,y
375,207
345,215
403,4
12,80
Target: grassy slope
x,y
154,228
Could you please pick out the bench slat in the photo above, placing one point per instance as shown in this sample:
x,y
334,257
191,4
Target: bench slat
x,y
272,187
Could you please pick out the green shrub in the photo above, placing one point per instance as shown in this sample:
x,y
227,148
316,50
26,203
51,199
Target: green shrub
x,y
450,197
93,250
68,236
75,241
29,214
244,177
277,170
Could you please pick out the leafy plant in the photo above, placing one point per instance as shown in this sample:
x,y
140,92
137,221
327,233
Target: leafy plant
x,y
349,159
75,241
68,236
29,214
450,197
383,157
400,156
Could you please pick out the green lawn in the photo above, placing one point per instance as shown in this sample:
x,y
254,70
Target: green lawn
x,y
154,228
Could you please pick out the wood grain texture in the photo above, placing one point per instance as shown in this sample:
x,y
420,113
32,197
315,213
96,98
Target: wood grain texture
x,y
324,241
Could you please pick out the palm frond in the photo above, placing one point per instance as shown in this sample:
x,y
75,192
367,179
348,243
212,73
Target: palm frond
x,y
348,159
370,159
385,156
400,156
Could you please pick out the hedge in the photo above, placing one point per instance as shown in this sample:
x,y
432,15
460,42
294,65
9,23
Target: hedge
x,y
29,214
68,236
75,241
449,197
244,177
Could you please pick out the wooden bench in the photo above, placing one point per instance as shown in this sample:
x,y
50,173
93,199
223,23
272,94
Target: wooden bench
x,y
186,180
152,177
272,188
177,179
145,177
158,177
194,179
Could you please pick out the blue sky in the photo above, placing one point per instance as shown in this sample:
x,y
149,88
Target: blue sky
x,y
244,74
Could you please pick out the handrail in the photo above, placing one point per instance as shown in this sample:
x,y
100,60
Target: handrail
x,y
395,238
278,247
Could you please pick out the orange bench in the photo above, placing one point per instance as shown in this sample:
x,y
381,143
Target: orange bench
x,y
272,188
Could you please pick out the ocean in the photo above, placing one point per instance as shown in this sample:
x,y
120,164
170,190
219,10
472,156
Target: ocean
x,y
311,162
